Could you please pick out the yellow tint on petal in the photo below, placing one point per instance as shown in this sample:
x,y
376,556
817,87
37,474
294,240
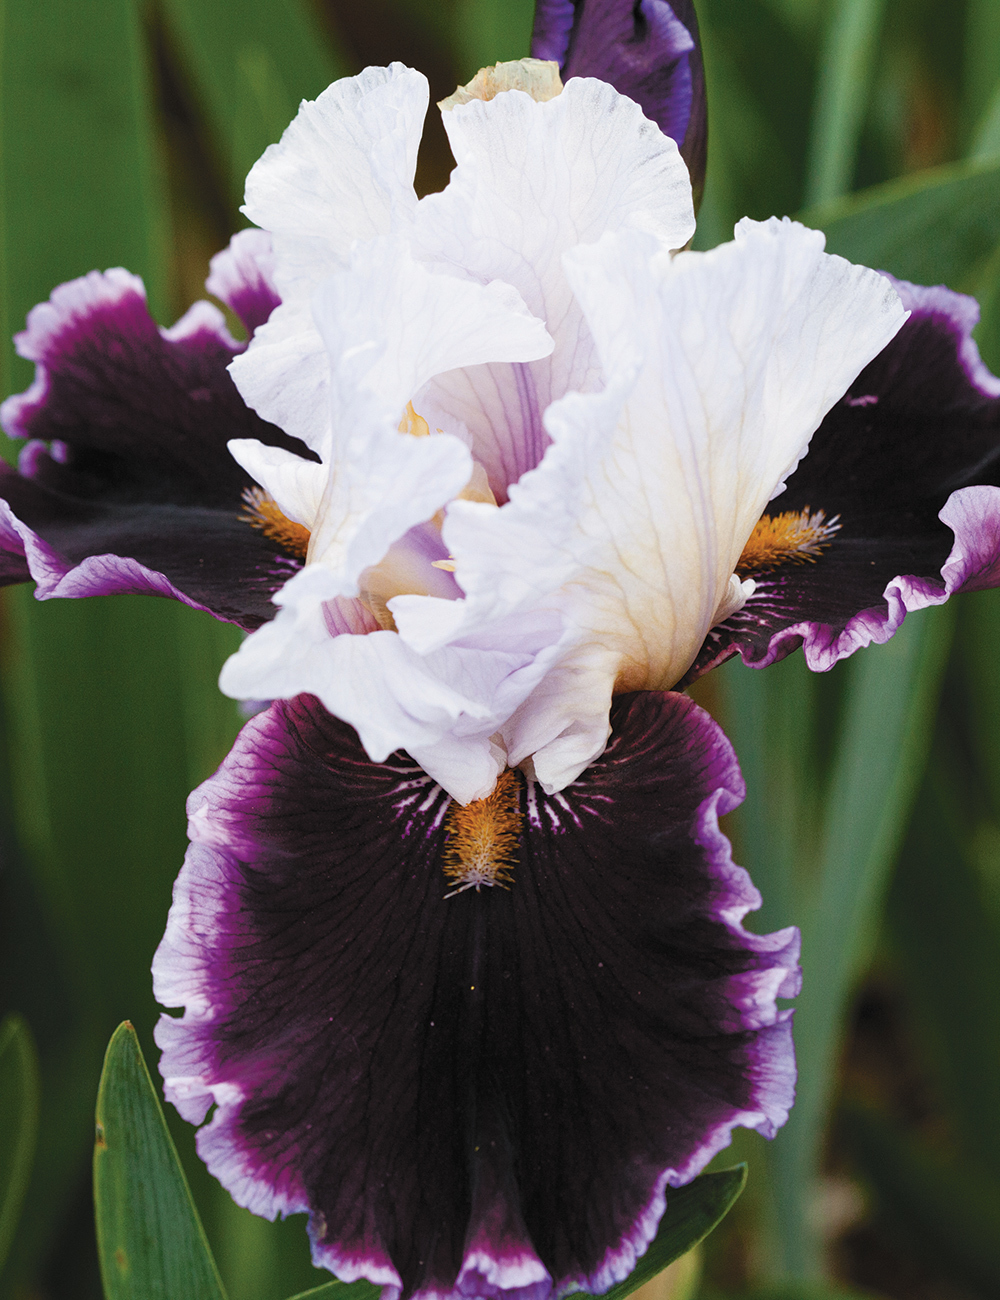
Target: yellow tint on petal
x,y
414,424
538,78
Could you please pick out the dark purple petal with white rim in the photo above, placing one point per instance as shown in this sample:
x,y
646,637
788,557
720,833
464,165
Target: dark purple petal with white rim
x,y
486,1094
647,49
126,482
910,461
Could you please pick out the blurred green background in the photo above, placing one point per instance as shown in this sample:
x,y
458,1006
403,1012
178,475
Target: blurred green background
x,y
873,818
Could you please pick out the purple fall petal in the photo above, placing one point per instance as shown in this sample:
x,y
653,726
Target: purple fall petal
x,y
647,49
910,461
486,1094
126,483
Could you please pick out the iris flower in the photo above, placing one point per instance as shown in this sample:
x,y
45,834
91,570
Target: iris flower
x,y
458,940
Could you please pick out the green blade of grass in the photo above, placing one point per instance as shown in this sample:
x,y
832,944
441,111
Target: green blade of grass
x,y
940,226
878,763
250,62
18,1122
80,190
149,1237
847,61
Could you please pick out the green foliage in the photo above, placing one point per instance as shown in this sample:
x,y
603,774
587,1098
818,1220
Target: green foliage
x,y
18,1122
250,63
692,1212
951,1208
149,1237
941,226
847,62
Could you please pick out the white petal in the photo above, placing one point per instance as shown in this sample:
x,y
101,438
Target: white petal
x,y
443,708
389,324
296,484
422,320
343,170
720,367
532,181
284,375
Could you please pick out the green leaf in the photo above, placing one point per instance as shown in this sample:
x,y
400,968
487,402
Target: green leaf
x,y
94,735
806,1291
878,762
491,31
940,226
342,1291
149,1237
692,1212
946,929
76,158
251,62
846,66
18,1122
981,109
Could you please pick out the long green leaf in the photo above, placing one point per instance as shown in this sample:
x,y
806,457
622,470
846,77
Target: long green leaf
x,y
692,1212
342,1291
80,190
980,82
807,1291
879,760
149,1237
940,226
946,927
846,66
18,1122
250,63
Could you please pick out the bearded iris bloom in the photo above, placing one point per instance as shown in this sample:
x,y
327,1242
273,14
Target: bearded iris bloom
x,y
458,940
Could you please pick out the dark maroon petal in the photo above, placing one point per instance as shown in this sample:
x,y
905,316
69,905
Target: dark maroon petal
x,y
126,482
488,1093
919,424
208,559
241,277
647,49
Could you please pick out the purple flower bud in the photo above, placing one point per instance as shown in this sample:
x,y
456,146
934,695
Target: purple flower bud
x,y
648,50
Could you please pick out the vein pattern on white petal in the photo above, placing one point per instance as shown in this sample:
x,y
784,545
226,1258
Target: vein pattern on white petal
x,y
532,181
342,171
720,367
